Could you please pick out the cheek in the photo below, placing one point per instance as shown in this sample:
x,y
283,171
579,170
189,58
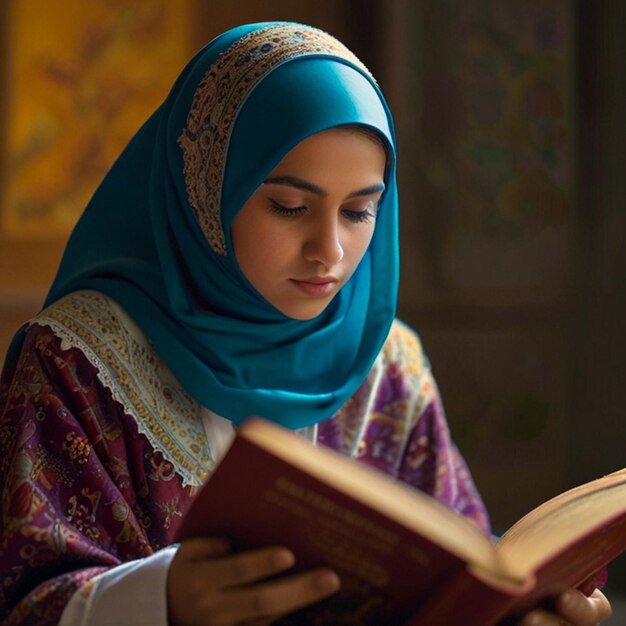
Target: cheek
x,y
268,241
359,243
260,248
244,244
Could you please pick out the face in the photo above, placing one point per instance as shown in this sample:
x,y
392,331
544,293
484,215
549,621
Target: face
x,y
302,234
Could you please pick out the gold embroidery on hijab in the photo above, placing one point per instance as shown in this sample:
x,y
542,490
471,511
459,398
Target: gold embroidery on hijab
x,y
217,100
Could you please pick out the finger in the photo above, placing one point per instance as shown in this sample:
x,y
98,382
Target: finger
x,y
247,567
204,548
543,618
278,597
582,610
603,606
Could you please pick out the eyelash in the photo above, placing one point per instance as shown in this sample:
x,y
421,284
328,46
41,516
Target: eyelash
x,y
358,217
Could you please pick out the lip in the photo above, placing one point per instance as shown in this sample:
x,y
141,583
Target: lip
x,y
316,286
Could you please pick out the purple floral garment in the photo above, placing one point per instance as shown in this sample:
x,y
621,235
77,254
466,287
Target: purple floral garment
x,y
83,490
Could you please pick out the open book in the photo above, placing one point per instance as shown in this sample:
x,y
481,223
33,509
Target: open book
x,y
402,556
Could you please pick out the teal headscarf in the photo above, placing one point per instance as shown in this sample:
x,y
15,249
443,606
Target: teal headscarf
x,y
156,235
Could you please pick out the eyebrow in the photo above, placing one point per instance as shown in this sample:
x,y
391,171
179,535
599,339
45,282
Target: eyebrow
x,y
298,183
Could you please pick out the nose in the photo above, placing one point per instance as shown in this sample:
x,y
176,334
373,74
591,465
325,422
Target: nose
x,y
322,242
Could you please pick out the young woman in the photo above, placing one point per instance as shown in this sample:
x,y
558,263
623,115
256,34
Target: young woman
x,y
240,258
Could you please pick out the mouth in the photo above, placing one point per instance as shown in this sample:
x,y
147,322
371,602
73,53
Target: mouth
x,y
316,286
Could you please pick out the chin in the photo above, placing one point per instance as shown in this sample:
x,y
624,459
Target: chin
x,y
304,312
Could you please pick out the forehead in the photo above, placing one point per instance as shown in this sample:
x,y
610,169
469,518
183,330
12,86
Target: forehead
x,y
344,150
252,73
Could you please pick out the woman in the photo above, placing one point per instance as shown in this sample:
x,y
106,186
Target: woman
x,y
240,258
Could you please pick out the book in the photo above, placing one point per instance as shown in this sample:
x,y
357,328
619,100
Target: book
x,y
402,556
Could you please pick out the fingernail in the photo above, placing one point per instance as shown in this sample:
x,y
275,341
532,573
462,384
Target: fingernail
x,y
327,582
283,558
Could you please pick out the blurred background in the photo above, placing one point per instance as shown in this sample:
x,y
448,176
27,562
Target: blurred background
x,y
510,118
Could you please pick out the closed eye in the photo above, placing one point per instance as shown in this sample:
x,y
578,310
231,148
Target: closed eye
x,y
357,217
365,215
285,211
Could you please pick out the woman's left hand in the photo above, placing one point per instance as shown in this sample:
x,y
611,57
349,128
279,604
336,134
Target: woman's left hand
x,y
572,608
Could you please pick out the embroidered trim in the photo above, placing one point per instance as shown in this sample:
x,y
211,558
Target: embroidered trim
x,y
138,379
403,356
356,414
404,348
218,99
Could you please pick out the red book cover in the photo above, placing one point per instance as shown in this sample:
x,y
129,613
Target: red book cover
x,y
401,555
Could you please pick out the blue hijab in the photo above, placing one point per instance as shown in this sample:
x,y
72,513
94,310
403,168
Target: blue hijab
x,y
156,235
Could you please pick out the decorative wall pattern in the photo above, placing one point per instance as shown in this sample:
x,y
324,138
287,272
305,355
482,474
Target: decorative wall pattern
x,y
82,77
496,152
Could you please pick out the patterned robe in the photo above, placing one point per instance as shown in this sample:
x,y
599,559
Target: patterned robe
x,y
101,450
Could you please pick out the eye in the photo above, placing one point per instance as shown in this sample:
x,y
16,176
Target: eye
x,y
365,215
285,211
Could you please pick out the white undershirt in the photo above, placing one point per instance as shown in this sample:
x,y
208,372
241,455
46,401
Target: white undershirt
x,y
120,595
220,433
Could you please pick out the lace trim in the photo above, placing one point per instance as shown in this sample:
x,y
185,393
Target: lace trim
x,y
217,101
138,379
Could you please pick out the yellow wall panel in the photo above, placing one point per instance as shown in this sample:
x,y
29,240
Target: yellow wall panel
x,y
81,78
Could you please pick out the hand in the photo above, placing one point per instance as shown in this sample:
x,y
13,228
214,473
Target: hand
x,y
208,586
573,608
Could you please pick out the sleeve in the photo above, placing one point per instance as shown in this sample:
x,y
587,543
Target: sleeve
x,y
118,595
431,459
406,433
433,463
77,500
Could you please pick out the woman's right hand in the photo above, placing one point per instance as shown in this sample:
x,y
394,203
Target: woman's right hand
x,y
208,586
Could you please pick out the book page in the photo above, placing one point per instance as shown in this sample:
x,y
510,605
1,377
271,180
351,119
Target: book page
x,y
551,527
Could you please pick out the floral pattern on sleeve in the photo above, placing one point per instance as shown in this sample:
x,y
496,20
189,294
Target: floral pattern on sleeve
x,y
82,490
85,488
396,423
